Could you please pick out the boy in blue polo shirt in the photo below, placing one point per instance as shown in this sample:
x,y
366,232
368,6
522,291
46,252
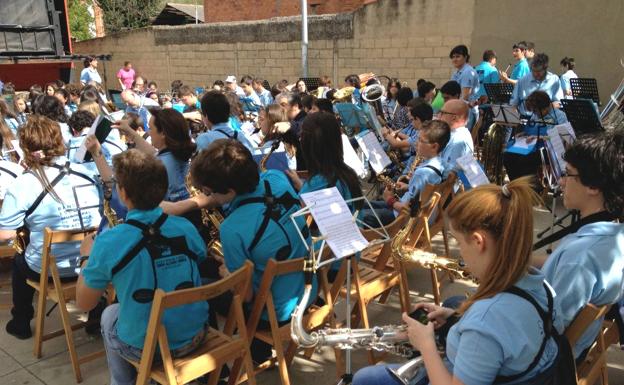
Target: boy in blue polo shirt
x,y
257,226
521,68
487,72
216,115
169,261
587,266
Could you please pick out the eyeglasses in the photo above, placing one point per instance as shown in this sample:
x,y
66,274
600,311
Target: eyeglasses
x,y
567,174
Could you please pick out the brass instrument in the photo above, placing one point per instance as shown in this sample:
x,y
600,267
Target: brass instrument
x,y
612,116
109,212
211,219
274,146
343,95
492,154
407,371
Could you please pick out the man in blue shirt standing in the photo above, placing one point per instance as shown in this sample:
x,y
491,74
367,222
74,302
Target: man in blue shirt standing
x,y
487,72
539,79
521,68
587,266
169,260
216,115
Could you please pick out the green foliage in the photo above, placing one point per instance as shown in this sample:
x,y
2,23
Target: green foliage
x,y
80,20
120,15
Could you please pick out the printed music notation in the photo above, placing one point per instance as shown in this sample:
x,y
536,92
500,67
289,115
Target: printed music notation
x,y
373,151
335,221
473,172
557,146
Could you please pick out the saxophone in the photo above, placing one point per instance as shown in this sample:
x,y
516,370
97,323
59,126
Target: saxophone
x,y
211,219
109,212
274,146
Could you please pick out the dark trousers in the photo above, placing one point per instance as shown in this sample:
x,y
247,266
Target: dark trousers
x,y
23,293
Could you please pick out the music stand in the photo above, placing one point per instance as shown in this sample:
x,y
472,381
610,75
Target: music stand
x,y
582,115
585,88
311,83
266,85
314,263
499,93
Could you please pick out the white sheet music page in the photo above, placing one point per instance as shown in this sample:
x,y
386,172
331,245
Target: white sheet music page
x,y
81,152
474,173
566,132
351,158
335,221
557,143
376,155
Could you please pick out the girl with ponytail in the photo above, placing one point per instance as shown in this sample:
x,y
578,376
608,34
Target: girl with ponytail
x,y
499,336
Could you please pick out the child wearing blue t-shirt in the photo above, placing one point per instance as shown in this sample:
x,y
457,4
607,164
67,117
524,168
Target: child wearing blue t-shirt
x,y
169,260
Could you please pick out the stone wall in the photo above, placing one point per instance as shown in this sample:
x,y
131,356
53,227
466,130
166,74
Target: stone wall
x,y
404,39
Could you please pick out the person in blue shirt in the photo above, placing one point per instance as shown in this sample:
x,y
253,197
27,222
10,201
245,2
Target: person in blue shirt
x,y
45,196
499,333
137,104
90,74
250,101
216,114
191,110
263,94
169,261
587,265
464,74
401,118
404,141
521,67
434,136
253,230
487,73
455,114
389,104
539,79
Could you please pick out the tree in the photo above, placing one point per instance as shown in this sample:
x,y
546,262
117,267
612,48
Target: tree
x,y
80,20
120,15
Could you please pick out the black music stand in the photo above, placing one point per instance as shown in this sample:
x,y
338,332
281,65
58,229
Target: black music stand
x,y
585,88
582,115
311,83
499,93
266,85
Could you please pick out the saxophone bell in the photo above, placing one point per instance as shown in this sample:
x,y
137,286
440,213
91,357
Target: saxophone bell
x,y
406,372
297,331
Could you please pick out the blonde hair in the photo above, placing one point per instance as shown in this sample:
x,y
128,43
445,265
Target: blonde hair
x,y
506,213
91,106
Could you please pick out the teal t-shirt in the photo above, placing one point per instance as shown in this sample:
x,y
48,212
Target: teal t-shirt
x,y
183,322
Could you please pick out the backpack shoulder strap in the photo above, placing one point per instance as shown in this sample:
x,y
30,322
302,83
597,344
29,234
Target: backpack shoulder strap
x,y
148,231
37,202
234,136
548,328
14,175
438,172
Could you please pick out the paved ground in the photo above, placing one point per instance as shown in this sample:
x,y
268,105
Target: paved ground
x,y
19,366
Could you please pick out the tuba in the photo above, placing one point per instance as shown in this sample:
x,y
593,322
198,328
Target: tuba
x,y
492,154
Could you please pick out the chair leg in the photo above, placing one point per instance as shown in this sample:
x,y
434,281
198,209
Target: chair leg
x,y
39,323
435,285
69,337
383,299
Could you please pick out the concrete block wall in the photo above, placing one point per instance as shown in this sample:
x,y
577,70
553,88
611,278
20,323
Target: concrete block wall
x,y
403,39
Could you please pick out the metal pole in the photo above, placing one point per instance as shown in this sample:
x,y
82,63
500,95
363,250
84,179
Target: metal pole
x,y
196,15
304,38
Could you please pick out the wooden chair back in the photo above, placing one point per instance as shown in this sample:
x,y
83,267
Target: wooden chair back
x,y
382,256
583,320
203,360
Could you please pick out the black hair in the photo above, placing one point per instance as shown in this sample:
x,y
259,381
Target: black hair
x,y
79,120
599,160
321,145
460,50
174,127
489,55
437,131
353,80
530,46
424,88
537,101
568,62
392,82
522,46
51,107
404,95
215,106
420,109
87,61
451,88
540,61
307,101
294,99
324,104
246,80
65,94
218,83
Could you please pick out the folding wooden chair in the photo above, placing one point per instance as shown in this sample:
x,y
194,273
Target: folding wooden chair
x,y
315,318
446,190
6,253
594,366
60,293
218,347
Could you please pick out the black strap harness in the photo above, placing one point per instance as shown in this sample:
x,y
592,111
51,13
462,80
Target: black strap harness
x,y
14,175
233,136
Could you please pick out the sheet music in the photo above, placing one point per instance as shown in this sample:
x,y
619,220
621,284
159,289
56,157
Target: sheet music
x,y
351,158
81,152
473,172
116,116
505,113
557,145
375,155
566,132
17,148
335,221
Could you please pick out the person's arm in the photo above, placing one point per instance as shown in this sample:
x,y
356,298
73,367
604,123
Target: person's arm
x,y
6,235
466,92
86,297
141,144
121,83
200,201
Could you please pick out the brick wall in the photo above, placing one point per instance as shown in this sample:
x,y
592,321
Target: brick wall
x,y
238,10
404,39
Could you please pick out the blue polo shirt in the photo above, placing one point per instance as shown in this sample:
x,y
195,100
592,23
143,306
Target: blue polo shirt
x,y
487,74
528,84
143,113
23,193
183,322
424,174
520,69
176,176
221,131
459,145
585,268
467,78
240,228
9,171
265,97
501,335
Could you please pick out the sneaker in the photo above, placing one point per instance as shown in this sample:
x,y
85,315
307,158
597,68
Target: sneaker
x,y
19,330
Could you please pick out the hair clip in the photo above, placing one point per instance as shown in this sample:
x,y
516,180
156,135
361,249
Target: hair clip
x,y
39,155
506,192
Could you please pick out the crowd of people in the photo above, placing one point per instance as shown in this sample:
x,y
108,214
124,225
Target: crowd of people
x,y
217,140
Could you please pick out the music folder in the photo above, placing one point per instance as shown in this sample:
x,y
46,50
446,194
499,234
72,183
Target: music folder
x,y
101,128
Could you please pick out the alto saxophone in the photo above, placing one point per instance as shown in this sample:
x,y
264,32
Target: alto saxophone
x,y
211,219
109,212
274,146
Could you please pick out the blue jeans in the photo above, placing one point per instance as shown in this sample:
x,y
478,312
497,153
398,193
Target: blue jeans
x,y
379,375
385,214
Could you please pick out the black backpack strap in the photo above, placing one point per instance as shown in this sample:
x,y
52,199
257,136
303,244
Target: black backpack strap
x,y
234,136
67,170
438,172
14,175
43,194
113,144
148,231
548,329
